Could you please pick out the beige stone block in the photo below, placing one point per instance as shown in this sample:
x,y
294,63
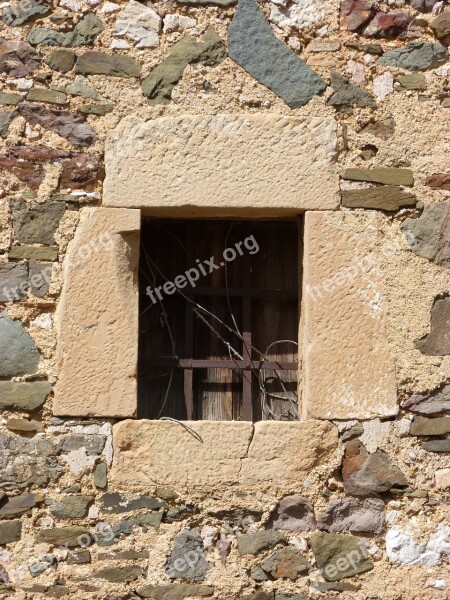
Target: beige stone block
x,y
229,164
442,477
218,453
349,371
97,317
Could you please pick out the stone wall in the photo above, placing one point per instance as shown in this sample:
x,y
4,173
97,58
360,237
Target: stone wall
x,y
341,109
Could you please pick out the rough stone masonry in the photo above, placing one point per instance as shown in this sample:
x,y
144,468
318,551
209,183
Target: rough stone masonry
x,y
338,111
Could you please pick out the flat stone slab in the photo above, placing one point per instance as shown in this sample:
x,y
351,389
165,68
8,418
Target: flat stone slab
x,y
97,317
269,163
227,452
349,369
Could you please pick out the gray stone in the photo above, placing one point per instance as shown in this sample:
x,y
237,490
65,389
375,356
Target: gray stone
x,y
385,175
258,575
126,526
437,342
441,27
289,596
187,560
13,282
435,402
120,503
287,563
347,94
82,87
222,3
84,33
45,95
6,118
209,50
18,505
424,5
70,126
10,532
9,98
61,60
72,507
18,59
353,515
437,445
294,513
24,425
385,197
413,81
36,223
27,461
252,44
429,235
424,426
18,352
260,595
178,513
92,442
383,129
415,56
354,431
339,556
119,574
23,396
40,276
124,555
326,586
175,591
24,12
72,535
81,557
38,253
367,474
101,476
166,493
237,517
252,543
100,110
99,63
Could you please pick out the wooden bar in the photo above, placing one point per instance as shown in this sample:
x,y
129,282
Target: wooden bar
x,y
189,363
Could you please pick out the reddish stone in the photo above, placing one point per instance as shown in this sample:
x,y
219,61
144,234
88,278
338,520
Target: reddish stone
x,y
355,13
18,59
79,171
439,181
388,25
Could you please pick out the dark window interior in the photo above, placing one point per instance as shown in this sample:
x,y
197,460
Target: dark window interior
x,y
225,347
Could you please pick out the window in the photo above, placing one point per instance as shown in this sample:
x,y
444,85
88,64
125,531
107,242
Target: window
x,y
219,314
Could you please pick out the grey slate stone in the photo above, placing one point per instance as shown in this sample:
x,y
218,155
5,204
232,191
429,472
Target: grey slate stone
x,y
437,342
294,513
425,426
101,476
385,175
385,197
209,50
82,87
437,445
287,563
424,5
123,574
93,442
114,502
6,118
18,352
45,95
18,505
24,12
429,235
187,560
24,425
36,223
207,2
347,94
175,591
25,397
252,543
61,60
72,507
99,63
415,56
328,548
100,110
349,514
9,98
10,532
84,33
252,44
40,276
33,252
72,535
427,404
13,281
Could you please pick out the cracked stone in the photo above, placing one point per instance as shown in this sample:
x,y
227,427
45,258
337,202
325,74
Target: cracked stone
x,y
187,559
429,235
339,556
294,513
36,223
435,402
415,56
18,352
13,282
252,44
367,474
84,33
209,50
437,342
347,94
99,63
70,126
253,543
18,59
287,563
352,515
23,396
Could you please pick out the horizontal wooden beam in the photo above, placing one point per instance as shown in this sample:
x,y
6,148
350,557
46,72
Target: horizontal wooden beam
x,y
189,363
